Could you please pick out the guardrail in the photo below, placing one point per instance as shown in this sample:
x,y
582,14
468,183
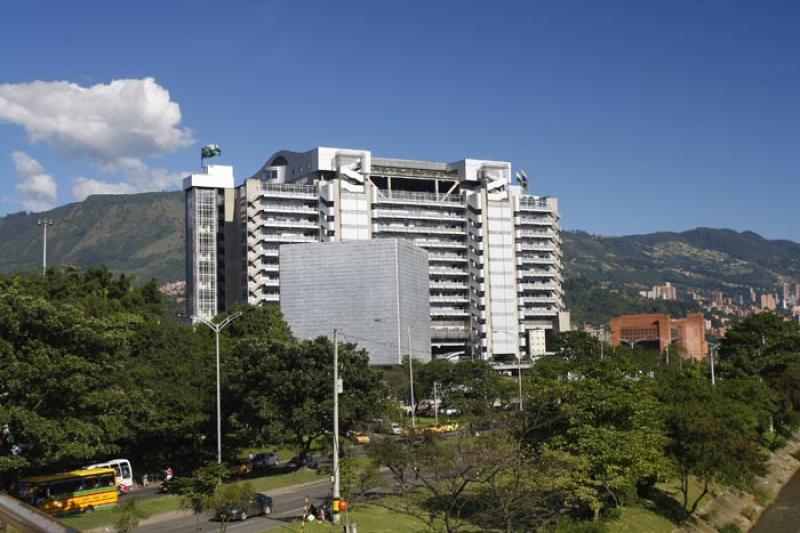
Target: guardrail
x,y
16,515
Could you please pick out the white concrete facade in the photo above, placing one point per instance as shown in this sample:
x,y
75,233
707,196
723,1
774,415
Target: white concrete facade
x,y
494,251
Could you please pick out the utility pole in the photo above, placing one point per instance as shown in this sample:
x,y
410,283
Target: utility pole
x,y
714,347
44,222
411,380
436,402
519,379
336,483
217,328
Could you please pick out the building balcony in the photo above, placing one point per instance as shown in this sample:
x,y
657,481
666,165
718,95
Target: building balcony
x,y
539,287
407,197
256,211
537,247
271,223
429,230
449,298
527,203
446,258
405,214
525,300
441,271
445,285
288,190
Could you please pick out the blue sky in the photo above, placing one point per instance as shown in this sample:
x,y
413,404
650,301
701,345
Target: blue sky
x,y
639,116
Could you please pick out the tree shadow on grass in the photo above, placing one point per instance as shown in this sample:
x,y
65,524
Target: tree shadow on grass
x,y
662,503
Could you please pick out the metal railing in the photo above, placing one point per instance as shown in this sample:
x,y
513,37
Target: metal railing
x,y
422,197
15,514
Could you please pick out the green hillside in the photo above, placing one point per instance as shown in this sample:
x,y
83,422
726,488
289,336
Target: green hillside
x,y
142,234
703,258
137,234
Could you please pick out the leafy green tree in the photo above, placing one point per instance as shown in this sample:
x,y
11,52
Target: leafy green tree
x,y
227,497
285,389
62,399
615,425
197,490
128,517
711,438
767,347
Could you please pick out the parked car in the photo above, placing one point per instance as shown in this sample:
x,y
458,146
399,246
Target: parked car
x,y
361,438
241,467
265,460
397,429
260,504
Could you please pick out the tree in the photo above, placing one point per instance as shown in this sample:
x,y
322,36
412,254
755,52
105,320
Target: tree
x,y
284,390
196,491
615,425
227,497
433,474
711,439
128,517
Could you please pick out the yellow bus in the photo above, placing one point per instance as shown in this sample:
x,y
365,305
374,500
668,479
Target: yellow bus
x,y
70,492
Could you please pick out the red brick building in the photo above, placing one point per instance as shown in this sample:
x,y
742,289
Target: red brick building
x,y
660,330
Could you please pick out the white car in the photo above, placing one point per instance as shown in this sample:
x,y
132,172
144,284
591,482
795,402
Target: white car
x,y
397,429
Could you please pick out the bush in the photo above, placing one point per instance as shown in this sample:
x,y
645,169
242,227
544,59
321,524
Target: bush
x,y
762,495
611,513
128,518
750,513
796,455
730,527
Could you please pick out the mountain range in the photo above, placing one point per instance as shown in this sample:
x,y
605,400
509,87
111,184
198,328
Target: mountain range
x,y
142,234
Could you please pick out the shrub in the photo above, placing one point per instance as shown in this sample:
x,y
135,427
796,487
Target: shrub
x,y
750,513
762,495
730,527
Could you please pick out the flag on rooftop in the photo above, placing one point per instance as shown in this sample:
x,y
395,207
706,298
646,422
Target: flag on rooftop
x,y
210,150
522,178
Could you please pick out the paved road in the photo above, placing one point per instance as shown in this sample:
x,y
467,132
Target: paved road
x,y
287,506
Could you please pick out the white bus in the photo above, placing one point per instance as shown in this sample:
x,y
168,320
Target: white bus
x,y
123,470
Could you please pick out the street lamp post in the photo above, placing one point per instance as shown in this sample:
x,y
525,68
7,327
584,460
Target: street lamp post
x,y
714,346
411,380
217,328
44,222
336,389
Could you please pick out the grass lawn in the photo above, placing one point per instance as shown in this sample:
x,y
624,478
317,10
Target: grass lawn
x,y
663,513
104,517
636,519
371,518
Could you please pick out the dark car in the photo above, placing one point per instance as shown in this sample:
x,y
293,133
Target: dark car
x,y
265,460
260,504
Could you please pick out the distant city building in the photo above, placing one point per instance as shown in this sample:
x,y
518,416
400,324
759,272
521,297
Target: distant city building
x,y
660,331
769,302
494,251
375,292
717,299
661,292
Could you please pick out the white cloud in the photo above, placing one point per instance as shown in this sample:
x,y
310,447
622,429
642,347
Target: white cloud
x,y
84,187
37,190
114,125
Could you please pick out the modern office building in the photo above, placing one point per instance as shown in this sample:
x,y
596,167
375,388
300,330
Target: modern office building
x,y
374,292
494,251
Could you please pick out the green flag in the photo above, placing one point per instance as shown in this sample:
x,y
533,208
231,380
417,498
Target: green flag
x,y
210,150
